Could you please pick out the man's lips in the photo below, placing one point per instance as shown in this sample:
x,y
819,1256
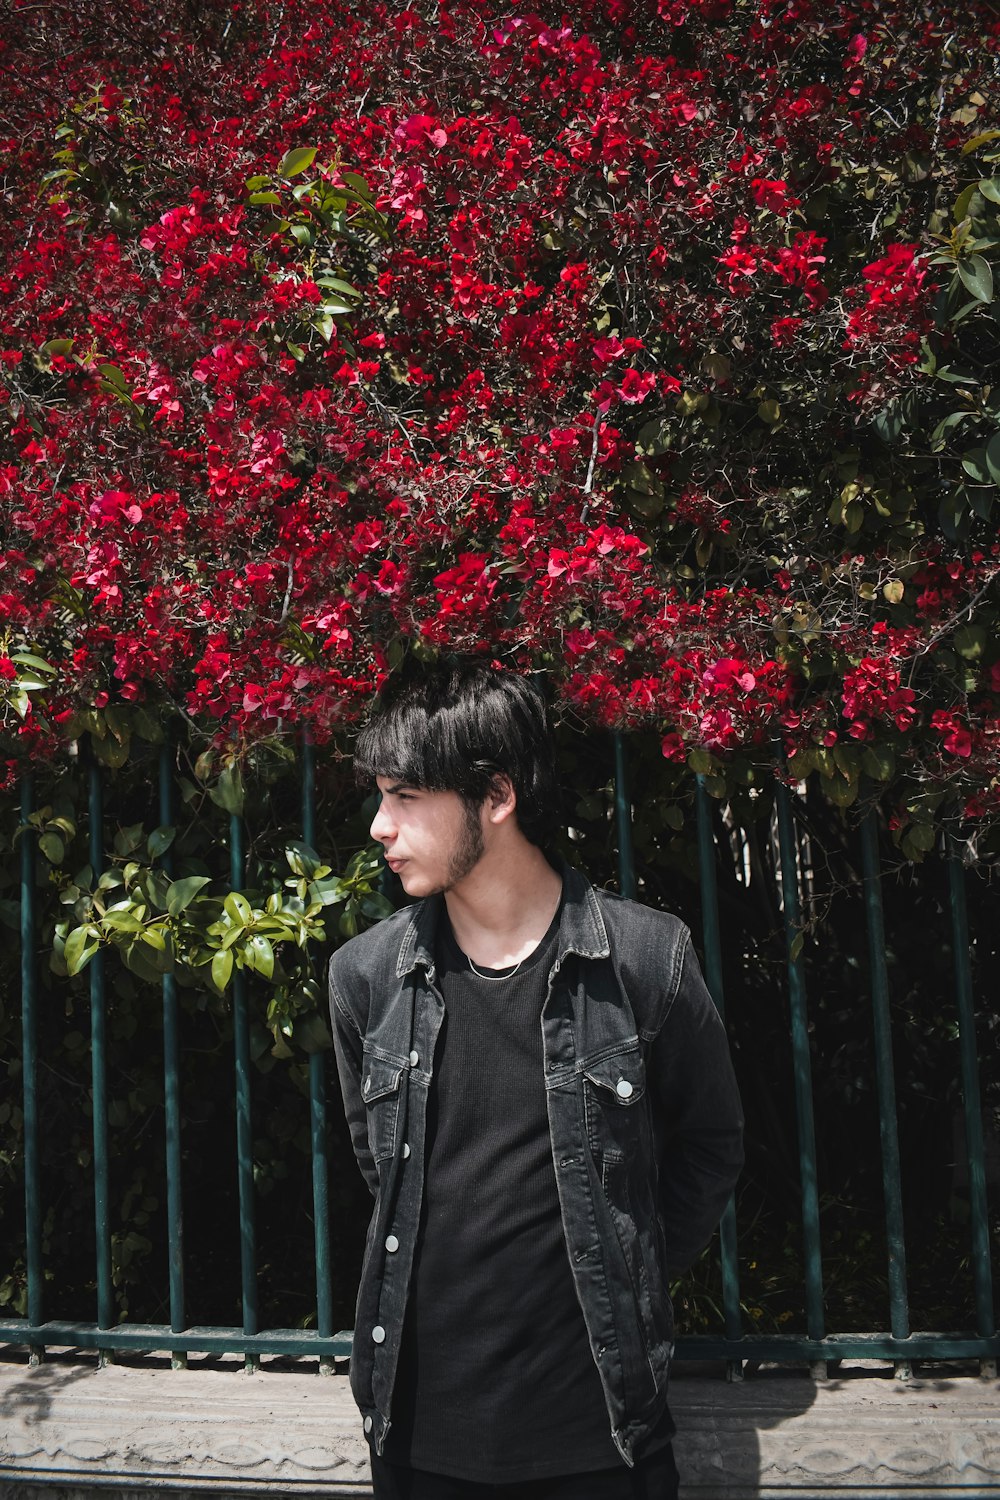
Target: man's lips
x,y
394,864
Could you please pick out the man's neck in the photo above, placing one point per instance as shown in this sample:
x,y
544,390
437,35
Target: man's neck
x,y
501,911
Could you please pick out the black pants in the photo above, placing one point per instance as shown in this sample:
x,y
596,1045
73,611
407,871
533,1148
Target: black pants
x,y
653,1478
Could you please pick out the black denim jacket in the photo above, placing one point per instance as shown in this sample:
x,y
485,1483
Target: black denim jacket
x,y
644,1118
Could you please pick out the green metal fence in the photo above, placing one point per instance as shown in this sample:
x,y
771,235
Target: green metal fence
x,y
897,1343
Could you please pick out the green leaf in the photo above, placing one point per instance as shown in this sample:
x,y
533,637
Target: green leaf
x,y
961,206
159,840
228,791
114,377
81,945
953,515
981,503
127,840
922,836
122,921
52,846
975,465
238,909
890,421
302,860
296,161
222,968
27,659
977,277
327,892
56,347
947,424
375,906
840,792
111,752
182,893
993,457
970,641
334,284
982,139
879,762
145,962
257,198
359,184
311,1033
260,955
990,188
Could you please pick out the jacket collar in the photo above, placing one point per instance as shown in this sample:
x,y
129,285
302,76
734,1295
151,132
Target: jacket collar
x,y
581,926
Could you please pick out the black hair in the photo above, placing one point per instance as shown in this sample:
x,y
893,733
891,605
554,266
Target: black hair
x,y
459,725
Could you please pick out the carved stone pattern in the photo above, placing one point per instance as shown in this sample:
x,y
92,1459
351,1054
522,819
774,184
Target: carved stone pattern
x,y
294,1433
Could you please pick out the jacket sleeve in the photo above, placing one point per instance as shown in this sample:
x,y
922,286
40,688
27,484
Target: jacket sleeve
x,y
347,1046
700,1116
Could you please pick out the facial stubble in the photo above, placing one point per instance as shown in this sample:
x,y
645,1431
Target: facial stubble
x,y
470,847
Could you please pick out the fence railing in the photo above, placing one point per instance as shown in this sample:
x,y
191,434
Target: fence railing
x,y
734,1343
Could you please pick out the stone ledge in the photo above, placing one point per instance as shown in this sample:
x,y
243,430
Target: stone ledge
x,y
69,1428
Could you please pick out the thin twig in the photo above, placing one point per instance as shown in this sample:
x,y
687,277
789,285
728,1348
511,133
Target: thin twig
x,y
288,590
593,455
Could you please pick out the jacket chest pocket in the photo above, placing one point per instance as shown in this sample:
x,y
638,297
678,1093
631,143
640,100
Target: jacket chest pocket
x,y
381,1090
613,1091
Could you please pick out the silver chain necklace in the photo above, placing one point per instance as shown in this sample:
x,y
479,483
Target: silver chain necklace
x,y
495,978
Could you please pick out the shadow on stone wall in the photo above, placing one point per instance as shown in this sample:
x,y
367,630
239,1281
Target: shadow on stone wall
x,y
719,1425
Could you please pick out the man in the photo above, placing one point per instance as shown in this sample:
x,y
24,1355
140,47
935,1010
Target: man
x,y
541,1099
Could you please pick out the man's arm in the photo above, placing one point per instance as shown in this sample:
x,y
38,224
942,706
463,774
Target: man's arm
x,y
701,1118
349,1051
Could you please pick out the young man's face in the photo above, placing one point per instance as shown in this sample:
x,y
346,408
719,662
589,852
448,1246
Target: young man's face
x,y
432,840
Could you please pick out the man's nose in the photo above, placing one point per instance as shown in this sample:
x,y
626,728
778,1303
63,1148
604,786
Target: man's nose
x,y
381,828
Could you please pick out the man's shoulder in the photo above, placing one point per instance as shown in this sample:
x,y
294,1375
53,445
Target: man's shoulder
x,y
366,954
633,923
649,949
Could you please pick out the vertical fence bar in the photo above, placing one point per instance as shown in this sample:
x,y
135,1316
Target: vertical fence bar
x,y
244,1127
623,821
317,1108
172,1098
886,1087
985,1324
713,976
803,1070
29,1068
99,1075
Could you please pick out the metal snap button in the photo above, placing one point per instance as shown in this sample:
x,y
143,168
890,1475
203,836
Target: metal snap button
x,y
414,1059
369,1424
406,1150
378,1334
623,1088
392,1244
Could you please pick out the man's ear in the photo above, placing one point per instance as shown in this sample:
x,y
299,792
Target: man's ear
x,y
501,799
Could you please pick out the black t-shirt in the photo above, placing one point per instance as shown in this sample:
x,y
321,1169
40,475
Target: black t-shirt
x,y
496,1380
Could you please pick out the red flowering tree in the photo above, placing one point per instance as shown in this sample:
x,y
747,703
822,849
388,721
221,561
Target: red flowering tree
x,y
648,343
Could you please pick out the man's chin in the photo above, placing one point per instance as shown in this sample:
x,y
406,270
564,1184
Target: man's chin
x,y
416,884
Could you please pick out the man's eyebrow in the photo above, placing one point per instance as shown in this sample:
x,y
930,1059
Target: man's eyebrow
x,y
401,786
